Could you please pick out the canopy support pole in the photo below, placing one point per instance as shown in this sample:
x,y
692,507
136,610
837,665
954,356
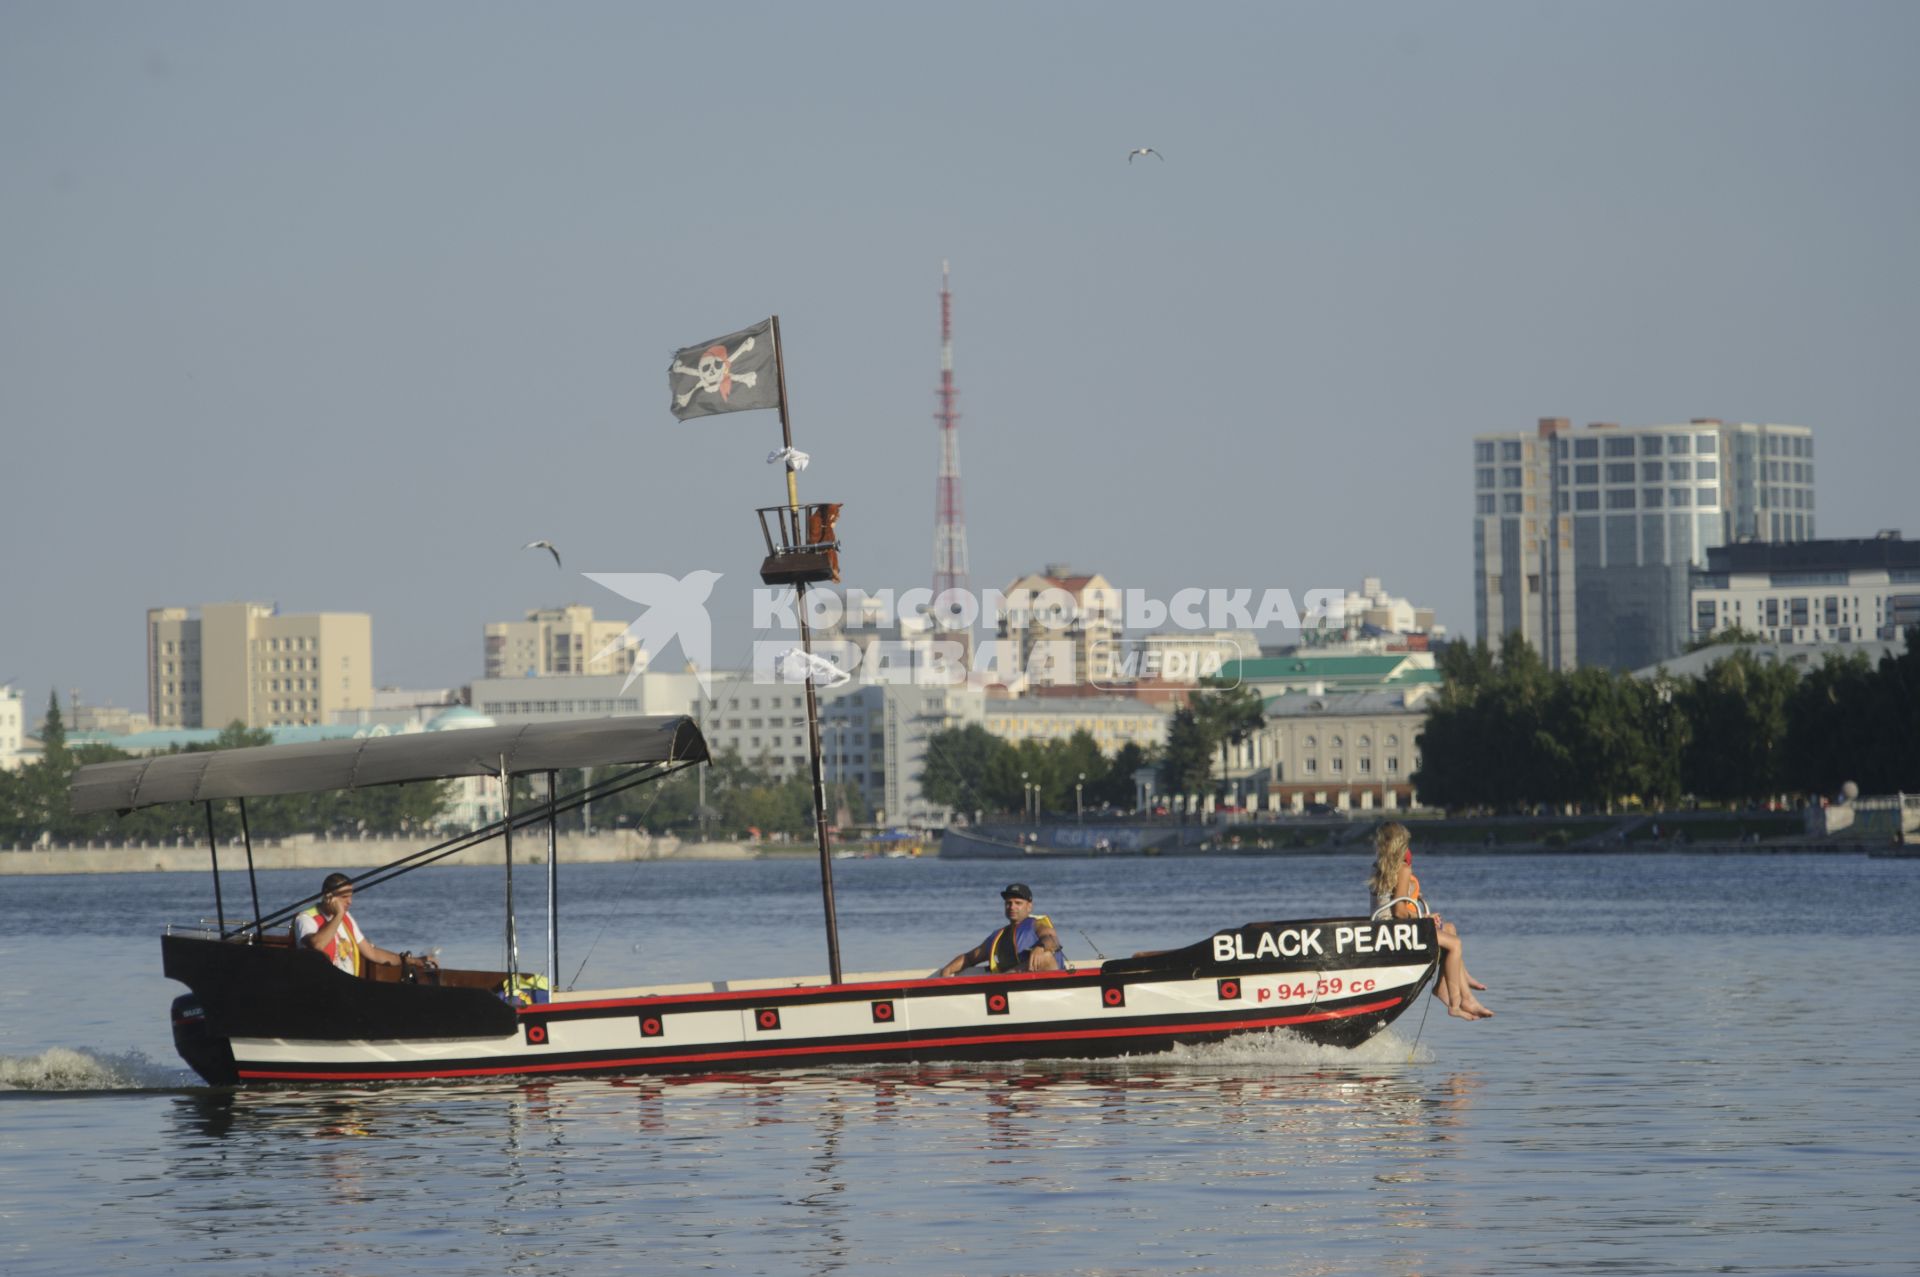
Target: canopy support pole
x,y
506,813
806,645
253,884
553,880
213,848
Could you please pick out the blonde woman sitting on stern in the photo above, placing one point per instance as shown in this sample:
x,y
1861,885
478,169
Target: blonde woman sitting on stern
x,y
1394,887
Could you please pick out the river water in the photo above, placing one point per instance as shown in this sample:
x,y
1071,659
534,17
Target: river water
x,y
1699,1063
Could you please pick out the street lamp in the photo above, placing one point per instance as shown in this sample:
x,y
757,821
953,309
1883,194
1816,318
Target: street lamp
x,y
1079,812
1026,796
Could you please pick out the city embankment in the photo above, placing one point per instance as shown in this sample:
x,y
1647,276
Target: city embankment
x,y
1699,832
310,852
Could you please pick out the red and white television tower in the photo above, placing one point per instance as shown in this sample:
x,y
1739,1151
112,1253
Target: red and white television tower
x,y
950,532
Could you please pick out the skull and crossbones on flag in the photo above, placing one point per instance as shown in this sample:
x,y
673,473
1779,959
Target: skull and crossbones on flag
x,y
728,374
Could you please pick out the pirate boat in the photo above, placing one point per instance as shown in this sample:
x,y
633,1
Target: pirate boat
x,y
261,1010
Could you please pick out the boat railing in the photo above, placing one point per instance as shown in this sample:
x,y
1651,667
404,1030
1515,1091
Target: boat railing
x,y
1386,910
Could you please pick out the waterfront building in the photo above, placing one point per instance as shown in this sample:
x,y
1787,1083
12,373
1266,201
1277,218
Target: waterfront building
x,y
1345,750
1584,541
1810,592
246,662
559,641
1113,721
873,735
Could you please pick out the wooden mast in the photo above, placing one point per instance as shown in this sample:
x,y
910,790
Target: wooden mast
x,y
796,536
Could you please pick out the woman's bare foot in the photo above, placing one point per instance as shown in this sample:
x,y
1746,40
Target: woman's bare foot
x,y
1461,1013
1475,984
1476,1010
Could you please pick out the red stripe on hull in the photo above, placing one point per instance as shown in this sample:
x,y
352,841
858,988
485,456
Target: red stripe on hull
x,y
703,1057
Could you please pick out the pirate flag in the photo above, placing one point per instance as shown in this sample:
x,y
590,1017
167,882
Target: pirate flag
x,y
728,374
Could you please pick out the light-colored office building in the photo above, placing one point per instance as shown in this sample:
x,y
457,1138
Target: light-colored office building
x,y
13,728
247,663
872,736
1821,593
764,723
1584,541
1113,721
111,720
543,700
910,716
558,641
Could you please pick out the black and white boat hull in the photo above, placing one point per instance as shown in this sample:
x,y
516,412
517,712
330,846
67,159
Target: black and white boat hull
x,y
261,1015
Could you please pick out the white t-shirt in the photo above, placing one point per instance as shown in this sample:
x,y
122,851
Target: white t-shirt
x,y
346,941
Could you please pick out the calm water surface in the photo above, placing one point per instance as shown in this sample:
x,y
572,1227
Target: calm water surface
x,y
1699,1064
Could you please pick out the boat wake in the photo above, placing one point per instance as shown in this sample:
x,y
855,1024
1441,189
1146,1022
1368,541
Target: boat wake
x,y
1277,1047
61,1068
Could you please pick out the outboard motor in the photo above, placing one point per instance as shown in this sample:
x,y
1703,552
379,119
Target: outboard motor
x,y
209,1056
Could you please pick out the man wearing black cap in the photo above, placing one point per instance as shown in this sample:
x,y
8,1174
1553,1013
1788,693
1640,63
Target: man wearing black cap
x,y
1026,943
329,929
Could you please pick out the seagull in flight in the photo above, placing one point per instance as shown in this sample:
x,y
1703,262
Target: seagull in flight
x,y
1145,150
544,545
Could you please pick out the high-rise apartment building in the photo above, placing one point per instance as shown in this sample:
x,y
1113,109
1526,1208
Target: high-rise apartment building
x,y
1583,540
1063,627
558,641
246,662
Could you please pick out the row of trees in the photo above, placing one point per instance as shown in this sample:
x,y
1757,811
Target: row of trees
x,y
1506,731
970,769
33,801
740,799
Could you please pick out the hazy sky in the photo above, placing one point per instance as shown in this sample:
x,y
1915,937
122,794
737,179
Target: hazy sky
x,y
336,305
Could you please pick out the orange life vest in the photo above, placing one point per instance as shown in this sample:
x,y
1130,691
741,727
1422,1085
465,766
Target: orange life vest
x,y
1408,908
346,931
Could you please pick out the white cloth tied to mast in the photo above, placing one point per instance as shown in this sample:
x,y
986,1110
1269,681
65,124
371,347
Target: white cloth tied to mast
x,y
797,666
796,460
